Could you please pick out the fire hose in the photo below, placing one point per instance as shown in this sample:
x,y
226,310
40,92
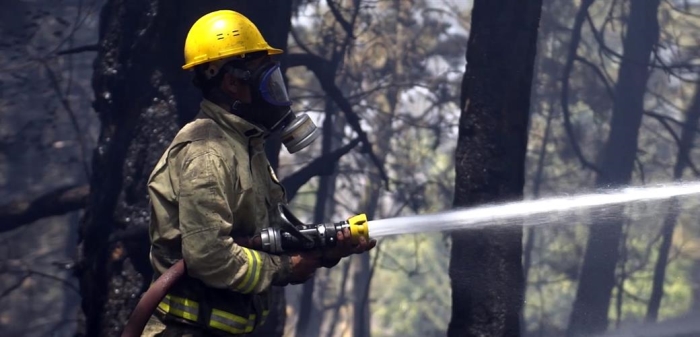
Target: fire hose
x,y
291,235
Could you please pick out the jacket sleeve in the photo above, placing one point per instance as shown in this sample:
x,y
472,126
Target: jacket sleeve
x,y
206,221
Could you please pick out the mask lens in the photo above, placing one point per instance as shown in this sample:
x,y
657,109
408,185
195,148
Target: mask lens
x,y
272,87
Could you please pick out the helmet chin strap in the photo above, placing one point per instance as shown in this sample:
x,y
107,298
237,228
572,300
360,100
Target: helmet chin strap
x,y
244,110
235,106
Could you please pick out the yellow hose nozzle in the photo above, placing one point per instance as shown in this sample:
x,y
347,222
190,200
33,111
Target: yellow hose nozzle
x,y
358,227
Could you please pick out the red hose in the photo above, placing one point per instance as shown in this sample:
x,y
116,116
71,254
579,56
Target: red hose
x,y
150,299
157,291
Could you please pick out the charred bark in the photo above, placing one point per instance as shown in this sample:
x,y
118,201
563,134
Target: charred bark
x,y
485,266
142,97
684,147
597,277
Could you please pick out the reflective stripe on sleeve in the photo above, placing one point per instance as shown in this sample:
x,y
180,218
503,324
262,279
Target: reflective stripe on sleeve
x,y
252,275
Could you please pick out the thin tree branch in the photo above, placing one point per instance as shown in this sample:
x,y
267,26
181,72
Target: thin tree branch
x,y
680,10
568,67
29,272
57,202
668,118
299,43
677,139
14,287
600,38
319,166
347,26
319,67
78,50
600,74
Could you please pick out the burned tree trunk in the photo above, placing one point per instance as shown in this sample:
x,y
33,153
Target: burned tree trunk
x,y
138,96
142,97
597,278
485,265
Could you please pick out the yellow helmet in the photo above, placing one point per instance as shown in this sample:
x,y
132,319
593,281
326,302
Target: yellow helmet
x,y
223,34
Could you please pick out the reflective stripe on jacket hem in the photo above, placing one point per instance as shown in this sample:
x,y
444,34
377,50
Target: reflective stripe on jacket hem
x,y
219,319
180,307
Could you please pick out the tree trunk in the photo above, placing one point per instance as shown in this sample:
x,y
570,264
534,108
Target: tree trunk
x,y
310,316
361,267
685,145
597,278
361,276
536,186
695,286
142,97
485,266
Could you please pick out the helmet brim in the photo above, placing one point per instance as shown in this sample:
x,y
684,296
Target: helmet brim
x,y
270,51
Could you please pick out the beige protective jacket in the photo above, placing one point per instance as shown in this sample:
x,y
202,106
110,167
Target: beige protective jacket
x,y
214,182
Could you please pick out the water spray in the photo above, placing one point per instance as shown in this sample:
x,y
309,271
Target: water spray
x,y
509,213
293,235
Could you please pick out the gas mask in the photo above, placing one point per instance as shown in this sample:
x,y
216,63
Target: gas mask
x,y
271,107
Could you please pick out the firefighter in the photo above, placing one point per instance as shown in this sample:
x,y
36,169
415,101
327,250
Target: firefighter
x,y
214,182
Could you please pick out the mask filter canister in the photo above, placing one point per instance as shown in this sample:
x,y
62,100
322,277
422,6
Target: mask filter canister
x,y
300,133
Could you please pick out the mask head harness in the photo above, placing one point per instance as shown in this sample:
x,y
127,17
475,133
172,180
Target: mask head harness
x,y
270,107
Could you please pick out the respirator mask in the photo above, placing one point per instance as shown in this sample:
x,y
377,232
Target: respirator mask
x,y
271,107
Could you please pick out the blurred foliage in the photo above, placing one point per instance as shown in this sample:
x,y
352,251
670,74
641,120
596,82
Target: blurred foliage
x,y
410,297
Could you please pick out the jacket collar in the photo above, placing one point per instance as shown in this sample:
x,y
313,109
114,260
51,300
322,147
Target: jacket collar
x,y
231,122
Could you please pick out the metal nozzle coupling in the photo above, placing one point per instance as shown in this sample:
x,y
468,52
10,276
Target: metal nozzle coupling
x,y
271,240
293,235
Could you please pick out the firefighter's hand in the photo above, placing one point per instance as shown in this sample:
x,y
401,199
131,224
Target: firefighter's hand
x,y
345,247
304,265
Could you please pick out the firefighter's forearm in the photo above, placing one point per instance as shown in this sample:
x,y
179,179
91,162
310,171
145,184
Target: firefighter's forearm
x,y
223,264
281,264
